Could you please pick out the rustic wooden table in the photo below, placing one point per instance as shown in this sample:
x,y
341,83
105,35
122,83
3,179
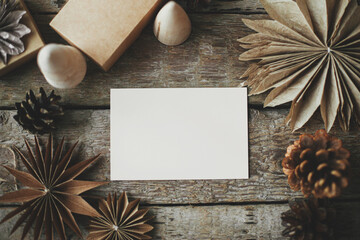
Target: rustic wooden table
x,y
225,209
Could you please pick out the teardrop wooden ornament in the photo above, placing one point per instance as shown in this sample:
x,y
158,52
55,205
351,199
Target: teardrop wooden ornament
x,y
172,25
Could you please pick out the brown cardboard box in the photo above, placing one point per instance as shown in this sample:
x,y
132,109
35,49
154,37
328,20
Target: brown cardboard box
x,y
103,29
33,43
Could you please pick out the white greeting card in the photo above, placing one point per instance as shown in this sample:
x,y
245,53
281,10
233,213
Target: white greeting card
x,y
172,134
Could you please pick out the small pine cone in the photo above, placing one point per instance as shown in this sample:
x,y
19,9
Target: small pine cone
x,y
38,113
317,165
309,219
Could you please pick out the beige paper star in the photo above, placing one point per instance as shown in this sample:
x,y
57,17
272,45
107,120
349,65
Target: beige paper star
x,y
309,55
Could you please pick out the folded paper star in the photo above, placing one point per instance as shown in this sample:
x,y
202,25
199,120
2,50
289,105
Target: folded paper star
x,y
120,220
310,55
52,193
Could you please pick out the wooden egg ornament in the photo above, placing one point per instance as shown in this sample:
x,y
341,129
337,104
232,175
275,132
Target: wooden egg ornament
x,y
63,66
172,25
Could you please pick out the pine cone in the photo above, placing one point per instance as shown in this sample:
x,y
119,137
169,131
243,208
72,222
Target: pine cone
x,y
317,165
11,31
309,219
38,113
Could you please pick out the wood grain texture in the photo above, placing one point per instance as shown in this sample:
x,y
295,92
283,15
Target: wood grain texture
x,y
217,6
208,59
7,158
220,222
233,6
225,209
269,138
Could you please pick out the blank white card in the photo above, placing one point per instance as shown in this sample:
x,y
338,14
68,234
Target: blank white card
x,y
172,134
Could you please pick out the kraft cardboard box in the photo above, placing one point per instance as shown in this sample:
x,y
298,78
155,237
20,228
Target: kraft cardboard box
x,y
103,30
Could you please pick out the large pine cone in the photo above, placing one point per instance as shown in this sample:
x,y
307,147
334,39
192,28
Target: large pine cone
x,y
309,219
38,113
317,165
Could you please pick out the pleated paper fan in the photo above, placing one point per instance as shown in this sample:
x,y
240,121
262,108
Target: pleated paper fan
x,y
52,192
309,54
120,220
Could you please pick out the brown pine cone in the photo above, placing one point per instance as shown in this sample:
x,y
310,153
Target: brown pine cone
x,y
309,219
317,165
37,113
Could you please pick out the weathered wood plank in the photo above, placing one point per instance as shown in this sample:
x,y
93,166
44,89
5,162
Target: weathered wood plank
x,y
269,139
7,158
208,59
233,6
237,6
221,222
